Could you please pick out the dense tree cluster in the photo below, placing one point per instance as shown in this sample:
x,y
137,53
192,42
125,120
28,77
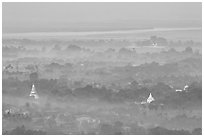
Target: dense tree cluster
x,y
56,87
23,131
116,128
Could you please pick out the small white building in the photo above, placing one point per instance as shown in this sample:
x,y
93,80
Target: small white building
x,y
178,90
185,87
33,93
150,98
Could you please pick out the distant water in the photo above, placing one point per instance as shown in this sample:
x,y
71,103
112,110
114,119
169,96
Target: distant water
x,y
96,32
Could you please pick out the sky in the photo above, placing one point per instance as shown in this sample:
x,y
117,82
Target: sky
x,y
43,17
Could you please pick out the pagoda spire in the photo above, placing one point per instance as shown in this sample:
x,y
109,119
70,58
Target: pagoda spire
x,y
150,98
33,92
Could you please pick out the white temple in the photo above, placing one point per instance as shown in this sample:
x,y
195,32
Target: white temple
x,y
185,87
154,44
33,92
150,98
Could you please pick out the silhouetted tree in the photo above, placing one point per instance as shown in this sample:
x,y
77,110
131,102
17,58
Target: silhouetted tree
x,y
188,50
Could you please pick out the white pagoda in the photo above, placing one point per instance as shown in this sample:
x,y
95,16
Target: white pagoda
x,y
150,98
33,92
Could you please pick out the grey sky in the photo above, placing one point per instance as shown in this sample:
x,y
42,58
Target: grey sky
x,y
28,17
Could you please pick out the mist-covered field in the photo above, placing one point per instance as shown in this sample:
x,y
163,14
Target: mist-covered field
x,y
97,68
95,84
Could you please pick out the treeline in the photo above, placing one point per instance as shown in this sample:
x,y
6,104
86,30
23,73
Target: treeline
x,y
73,48
186,67
21,130
164,131
161,92
160,41
116,128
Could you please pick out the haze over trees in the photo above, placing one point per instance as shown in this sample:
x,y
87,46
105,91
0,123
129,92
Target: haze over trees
x,y
102,69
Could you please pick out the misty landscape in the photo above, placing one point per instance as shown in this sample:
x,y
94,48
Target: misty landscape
x,y
102,68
